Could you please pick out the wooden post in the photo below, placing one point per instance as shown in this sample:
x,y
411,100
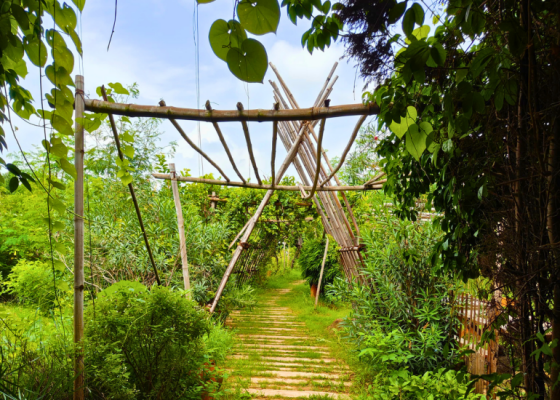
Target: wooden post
x,y
213,202
181,225
321,275
79,240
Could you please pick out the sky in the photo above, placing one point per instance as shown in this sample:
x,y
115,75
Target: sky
x,y
156,45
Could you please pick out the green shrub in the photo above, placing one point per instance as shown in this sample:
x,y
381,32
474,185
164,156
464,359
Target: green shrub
x,y
311,258
32,283
438,385
144,344
402,316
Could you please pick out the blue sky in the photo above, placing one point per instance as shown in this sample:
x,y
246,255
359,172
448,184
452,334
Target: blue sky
x,y
154,46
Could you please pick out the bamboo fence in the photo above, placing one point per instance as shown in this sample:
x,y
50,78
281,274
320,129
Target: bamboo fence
x,y
474,322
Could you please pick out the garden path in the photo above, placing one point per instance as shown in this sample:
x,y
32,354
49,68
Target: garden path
x,y
277,357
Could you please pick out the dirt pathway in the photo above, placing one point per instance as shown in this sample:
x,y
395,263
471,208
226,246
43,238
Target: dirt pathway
x,y
276,356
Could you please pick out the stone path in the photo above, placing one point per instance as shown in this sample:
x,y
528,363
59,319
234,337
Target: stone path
x,y
276,356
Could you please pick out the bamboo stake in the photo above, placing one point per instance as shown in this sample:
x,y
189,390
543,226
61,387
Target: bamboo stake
x,y
181,226
79,240
321,275
223,140
311,114
347,149
249,145
318,99
132,193
194,146
264,187
252,222
274,138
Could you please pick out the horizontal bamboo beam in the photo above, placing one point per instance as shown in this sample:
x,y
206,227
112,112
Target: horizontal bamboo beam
x,y
266,187
191,114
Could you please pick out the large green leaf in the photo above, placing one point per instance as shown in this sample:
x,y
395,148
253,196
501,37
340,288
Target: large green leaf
x,y
61,125
415,141
224,36
63,58
250,62
36,51
400,129
67,167
259,16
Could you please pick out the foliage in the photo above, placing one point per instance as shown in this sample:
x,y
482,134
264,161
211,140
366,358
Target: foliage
x,y
36,284
441,384
144,342
22,34
403,316
311,258
362,164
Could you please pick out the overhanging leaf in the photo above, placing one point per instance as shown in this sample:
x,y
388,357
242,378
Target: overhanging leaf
x,y
259,16
224,36
250,62
67,167
36,51
61,125
400,129
415,141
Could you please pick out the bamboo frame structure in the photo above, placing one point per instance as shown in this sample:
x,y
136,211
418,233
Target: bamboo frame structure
x,y
295,128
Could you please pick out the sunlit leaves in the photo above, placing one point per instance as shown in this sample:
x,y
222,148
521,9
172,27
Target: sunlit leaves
x,y
36,51
259,16
401,127
67,167
80,4
250,62
225,35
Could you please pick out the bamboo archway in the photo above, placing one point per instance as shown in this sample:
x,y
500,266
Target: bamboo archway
x,y
295,127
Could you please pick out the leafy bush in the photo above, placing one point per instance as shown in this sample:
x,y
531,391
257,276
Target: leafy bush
x,y
438,385
403,317
311,258
33,283
144,344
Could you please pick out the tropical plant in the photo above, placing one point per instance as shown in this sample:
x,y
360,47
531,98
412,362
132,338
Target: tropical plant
x,y
311,259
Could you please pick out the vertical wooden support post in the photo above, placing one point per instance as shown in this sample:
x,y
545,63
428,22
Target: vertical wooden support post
x,y
321,275
181,226
79,240
213,202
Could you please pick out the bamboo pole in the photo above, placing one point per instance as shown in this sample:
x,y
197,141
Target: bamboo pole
x,y
347,149
274,139
132,193
252,222
378,177
194,146
181,226
223,141
249,145
239,234
79,240
265,187
311,114
318,168
321,275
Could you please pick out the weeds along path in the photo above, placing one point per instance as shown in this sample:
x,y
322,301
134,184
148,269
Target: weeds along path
x,y
276,356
